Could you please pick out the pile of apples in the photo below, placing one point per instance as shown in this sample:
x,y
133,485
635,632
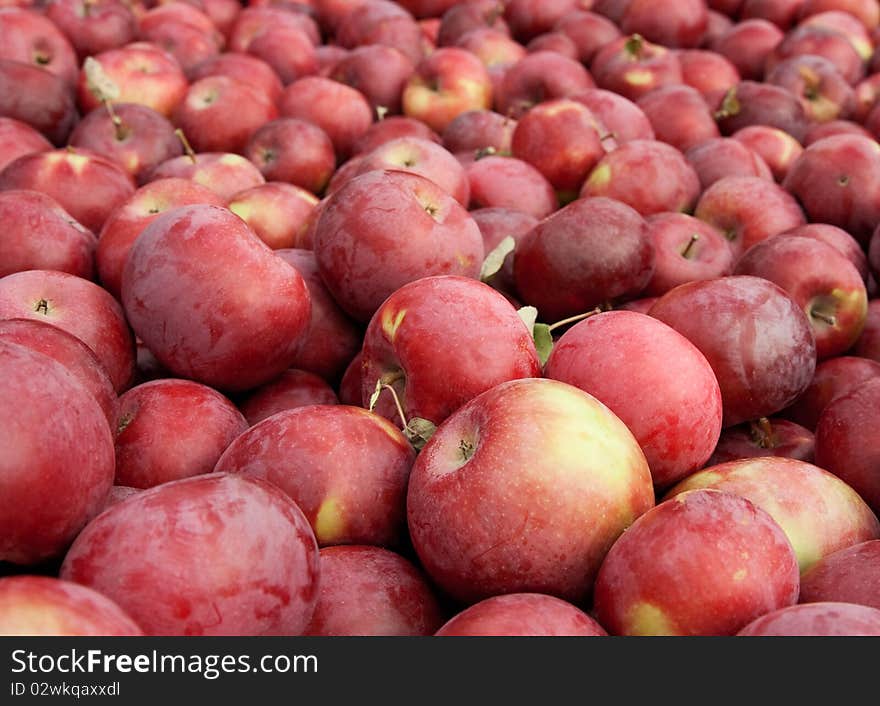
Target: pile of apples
x,y
494,317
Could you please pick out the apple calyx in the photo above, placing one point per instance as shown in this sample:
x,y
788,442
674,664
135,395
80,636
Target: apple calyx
x,y
730,106
381,112
187,147
42,307
495,259
123,422
761,432
685,253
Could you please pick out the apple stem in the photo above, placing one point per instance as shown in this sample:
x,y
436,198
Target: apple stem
x,y
762,433
572,319
729,106
381,112
187,147
687,248
394,396
119,126
608,136
827,318
87,7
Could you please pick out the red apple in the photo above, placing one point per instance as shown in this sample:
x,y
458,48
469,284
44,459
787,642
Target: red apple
x,y
702,563
776,147
849,575
370,591
618,356
752,103
623,119
465,17
521,615
293,151
764,437
350,385
816,620
32,38
864,10
823,92
707,71
826,43
43,606
747,45
38,234
224,173
488,515
497,50
782,13
127,221
51,483
495,225
633,66
37,98
847,440
255,20
243,67
556,42
183,31
679,116
507,182
77,306
381,22
588,30
648,175
529,18
73,354
94,26
595,250
293,389
480,131
685,250
868,345
837,180
288,50
212,301
537,78
278,213
721,157
681,24
138,138
756,338
345,467
390,129
18,139
379,72
217,554
422,231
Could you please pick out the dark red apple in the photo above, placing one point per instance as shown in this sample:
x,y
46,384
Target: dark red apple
x,y
720,157
379,72
764,437
224,173
679,116
868,345
32,38
18,139
293,389
681,24
588,31
624,120
480,131
632,66
823,92
243,67
507,182
816,620
753,103
849,575
707,71
37,98
537,78
94,26
777,148
465,17
391,128
496,224
747,45
294,151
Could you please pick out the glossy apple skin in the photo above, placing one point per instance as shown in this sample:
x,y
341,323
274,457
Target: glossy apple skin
x,y
779,437
648,175
849,575
217,554
777,148
94,27
445,84
292,389
346,468
618,356
703,563
339,110
507,182
537,78
833,378
87,185
253,21
74,463
707,71
293,151
822,42
333,338
472,492
42,606
37,98
350,384
837,180
823,92
817,510
370,591
181,31
821,280
496,224
623,119
277,212
243,67
160,87
825,619
288,50
748,210
391,128
847,443
679,115
146,138
477,130
559,138
126,222
683,24
756,338
838,239
592,251
225,173
632,67
77,306
416,338
172,429
495,49
231,327
720,157
752,103
38,234
405,226
425,158
379,72
679,257
17,139
747,45
32,38
70,352
521,615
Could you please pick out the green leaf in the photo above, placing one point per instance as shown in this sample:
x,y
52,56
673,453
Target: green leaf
x,y
543,341
529,316
419,431
495,259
